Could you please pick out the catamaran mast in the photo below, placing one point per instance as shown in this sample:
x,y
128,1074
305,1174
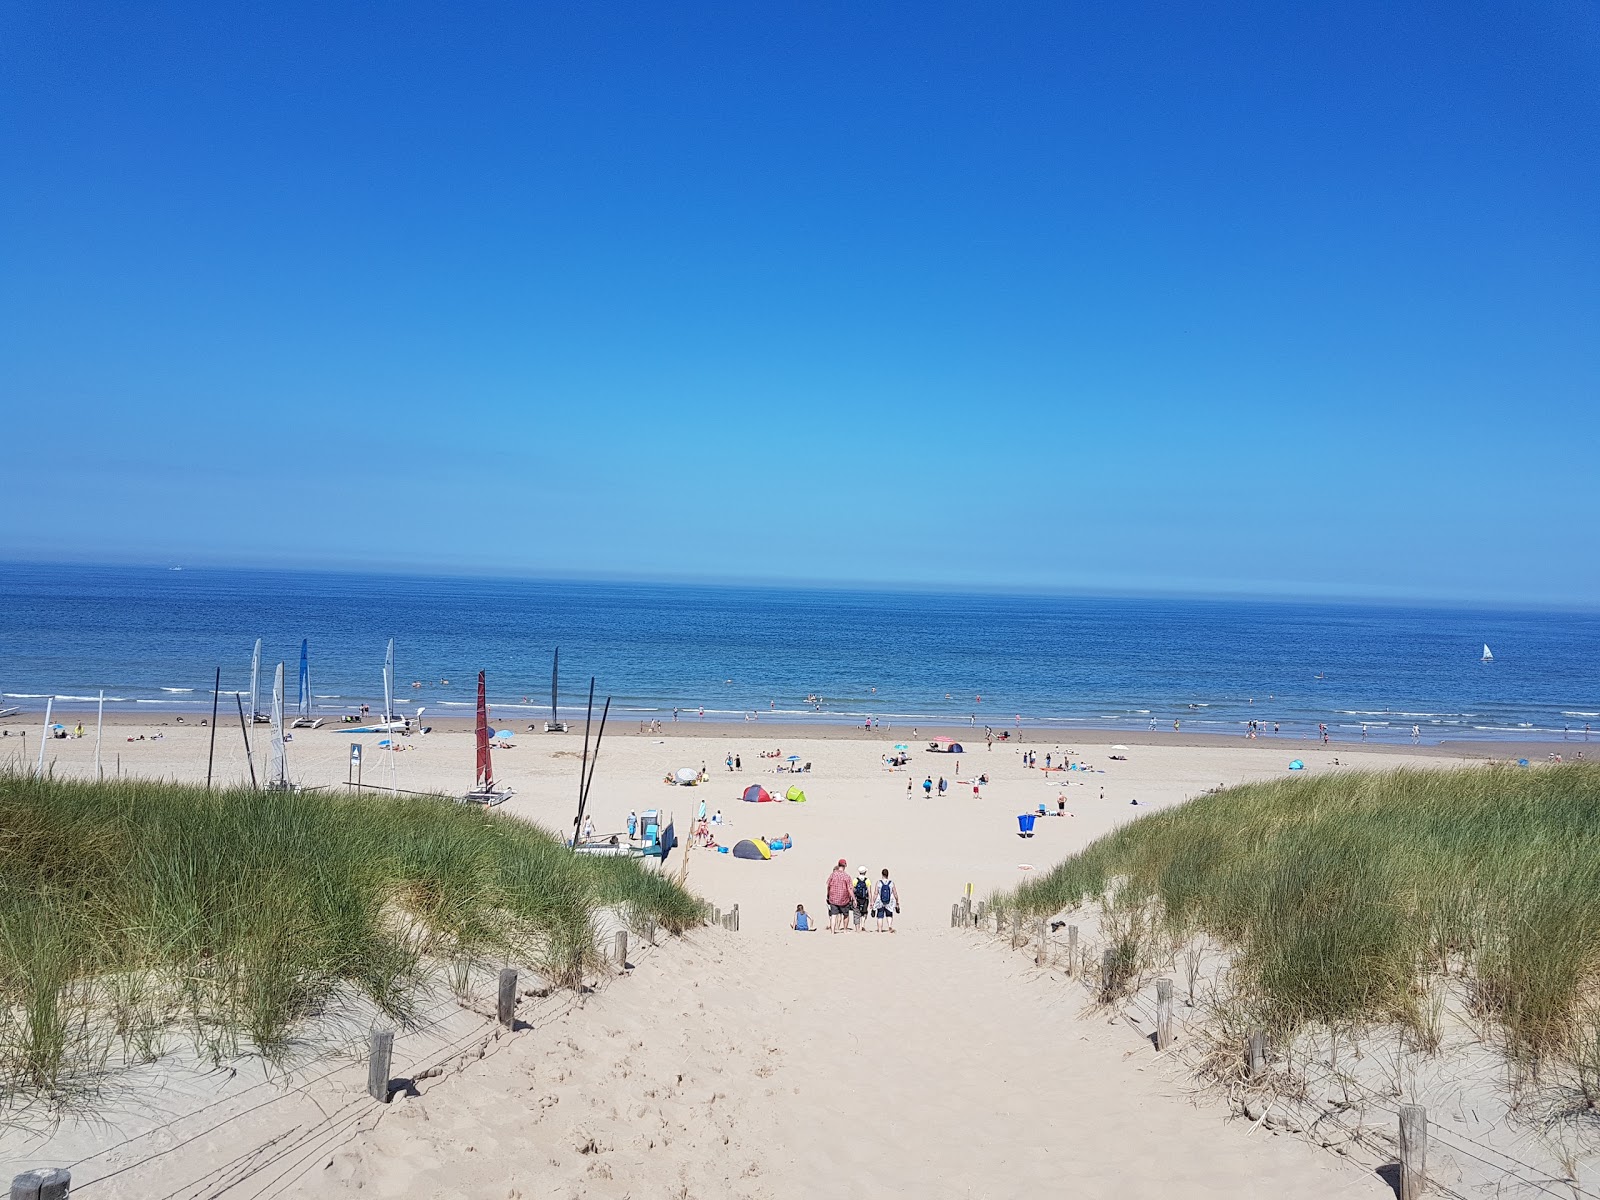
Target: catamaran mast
x,y
305,679
555,671
255,676
388,683
485,773
278,769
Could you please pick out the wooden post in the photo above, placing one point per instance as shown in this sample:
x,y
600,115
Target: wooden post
x,y
1413,1151
378,1064
1072,950
716,915
45,1183
1108,972
1163,1013
978,917
621,949
506,1008
955,914
650,931
1044,945
736,918
1257,1054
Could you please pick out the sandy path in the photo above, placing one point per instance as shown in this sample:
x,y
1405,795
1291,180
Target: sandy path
x,y
773,1065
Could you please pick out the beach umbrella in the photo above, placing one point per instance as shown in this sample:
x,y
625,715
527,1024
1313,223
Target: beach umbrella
x,y
503,734
900,746
792,757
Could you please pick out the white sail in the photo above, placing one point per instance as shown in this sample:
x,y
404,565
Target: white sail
x,y
278,767
388,683
255,676
1488,655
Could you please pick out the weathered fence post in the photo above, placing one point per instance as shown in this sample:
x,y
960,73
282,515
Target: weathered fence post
x,y
1413,1151
506,1006
976,917
955,914
45,1183
716,916
736,918
1163,1013
378,1064
650,931
1108,972
1072,950
621,949
1043,952
1257,1054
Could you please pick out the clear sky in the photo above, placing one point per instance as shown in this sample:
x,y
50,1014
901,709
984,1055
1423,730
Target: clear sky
x,y
1245,297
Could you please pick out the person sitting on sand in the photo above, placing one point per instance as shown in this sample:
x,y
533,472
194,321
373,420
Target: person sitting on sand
x,y
838,898
802,920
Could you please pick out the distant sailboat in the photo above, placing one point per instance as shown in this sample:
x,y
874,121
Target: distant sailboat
x,y
304,719
278,762
1488,654
555,724
485,791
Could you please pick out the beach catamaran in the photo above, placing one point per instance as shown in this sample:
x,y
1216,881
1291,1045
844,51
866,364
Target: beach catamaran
x,y
1488,655
485,790
555,724
391,723
304,719
257,717
278,761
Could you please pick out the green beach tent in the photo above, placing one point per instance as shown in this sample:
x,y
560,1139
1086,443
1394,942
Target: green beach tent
x,y
794,793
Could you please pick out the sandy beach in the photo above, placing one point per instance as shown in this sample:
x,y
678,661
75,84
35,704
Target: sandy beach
x,y
768,1063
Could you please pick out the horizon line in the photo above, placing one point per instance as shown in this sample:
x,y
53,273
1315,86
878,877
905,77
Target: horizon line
x,y
1287,594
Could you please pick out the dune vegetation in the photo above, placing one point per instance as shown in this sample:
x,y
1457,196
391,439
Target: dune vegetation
x,y
1346,898
129,909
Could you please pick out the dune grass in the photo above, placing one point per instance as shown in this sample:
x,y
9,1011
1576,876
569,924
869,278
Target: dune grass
x,y
129,907
1341,895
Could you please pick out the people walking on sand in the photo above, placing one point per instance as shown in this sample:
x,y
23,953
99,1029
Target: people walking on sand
x,y
839,898
927,786
588,828
737,764
633,824
1416,734
908,789
862,895
942,786
887,903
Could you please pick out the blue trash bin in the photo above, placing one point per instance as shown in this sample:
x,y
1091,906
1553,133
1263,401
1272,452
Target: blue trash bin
x,y
1025,824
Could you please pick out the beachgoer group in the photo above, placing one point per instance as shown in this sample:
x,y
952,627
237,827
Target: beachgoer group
x,y
852,903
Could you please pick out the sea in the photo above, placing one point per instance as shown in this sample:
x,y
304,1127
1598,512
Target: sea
x,y
152,640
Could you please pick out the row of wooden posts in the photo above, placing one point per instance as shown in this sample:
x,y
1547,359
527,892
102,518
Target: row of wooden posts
x,y
56,1183
964,914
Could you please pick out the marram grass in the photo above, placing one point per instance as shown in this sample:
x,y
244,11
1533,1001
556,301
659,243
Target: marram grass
x,y
1340,895
131,907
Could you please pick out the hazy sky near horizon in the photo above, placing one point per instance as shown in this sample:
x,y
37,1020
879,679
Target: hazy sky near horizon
x,y
1255,297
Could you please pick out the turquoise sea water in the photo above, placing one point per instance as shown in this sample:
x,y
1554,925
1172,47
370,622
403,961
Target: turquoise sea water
x,y
153,637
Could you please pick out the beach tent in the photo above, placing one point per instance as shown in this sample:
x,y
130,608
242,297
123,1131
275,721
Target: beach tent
x,y
1297,765
954,748
686,775
752,849
794,793
756,794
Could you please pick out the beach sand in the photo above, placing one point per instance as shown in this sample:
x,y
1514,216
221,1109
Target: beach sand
x,y
767,1063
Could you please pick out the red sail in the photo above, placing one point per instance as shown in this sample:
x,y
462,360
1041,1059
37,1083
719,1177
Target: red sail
x,y
485,775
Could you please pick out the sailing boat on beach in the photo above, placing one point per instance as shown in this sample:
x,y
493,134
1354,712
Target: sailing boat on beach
x,y
257,717
304,719
391,723
1488,654
278,761
485,791
555,724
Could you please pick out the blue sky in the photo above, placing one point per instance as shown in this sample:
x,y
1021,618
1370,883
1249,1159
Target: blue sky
x,y
1128,297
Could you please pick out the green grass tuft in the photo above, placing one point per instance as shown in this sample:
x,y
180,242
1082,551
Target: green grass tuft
x,y
129,907
1340,894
